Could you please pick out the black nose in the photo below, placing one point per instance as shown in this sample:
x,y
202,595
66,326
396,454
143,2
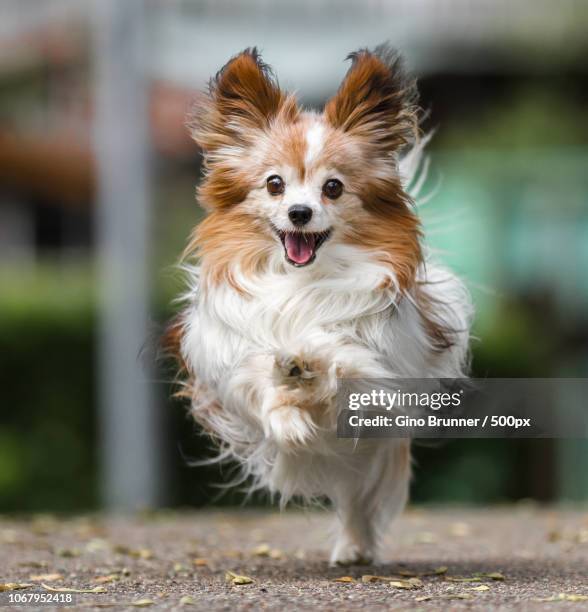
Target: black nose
x,y
299,215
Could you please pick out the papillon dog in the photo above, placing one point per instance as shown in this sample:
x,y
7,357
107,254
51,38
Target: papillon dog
x,y
308,268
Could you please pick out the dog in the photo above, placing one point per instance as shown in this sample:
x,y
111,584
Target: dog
x,y
309,267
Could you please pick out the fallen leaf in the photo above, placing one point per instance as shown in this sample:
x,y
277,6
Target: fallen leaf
x,y
344,579
438,571
14,586
563,597
142,603
491,575
68,552
464,578
139,553
411,583
105,579
369,578
142,553
424,598
482,587
200,562
45,577
98,589
264,550
187,600
237,579
97,544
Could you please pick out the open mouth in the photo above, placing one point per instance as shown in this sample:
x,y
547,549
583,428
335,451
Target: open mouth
x,y
300,247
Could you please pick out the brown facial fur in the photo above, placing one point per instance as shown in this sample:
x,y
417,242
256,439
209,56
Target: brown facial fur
x,y
226,237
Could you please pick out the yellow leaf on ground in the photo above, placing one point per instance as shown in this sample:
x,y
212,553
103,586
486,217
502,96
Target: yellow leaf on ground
x,y
344,579
482,587
263,550
139,553
411,583
68,552
187,600
563,597
370,578
491,575
98,589
105,579
142,603
14,586
237,578
45,577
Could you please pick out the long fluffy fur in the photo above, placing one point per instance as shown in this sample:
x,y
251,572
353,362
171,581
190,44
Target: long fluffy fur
x,y
370,306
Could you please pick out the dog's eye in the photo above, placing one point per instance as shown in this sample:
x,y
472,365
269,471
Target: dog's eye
x,y
275,185
333,188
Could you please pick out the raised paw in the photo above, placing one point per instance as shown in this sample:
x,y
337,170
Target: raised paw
x,y
292,369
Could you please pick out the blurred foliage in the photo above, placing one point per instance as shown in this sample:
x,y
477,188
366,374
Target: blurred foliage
x,y
47,433
531,115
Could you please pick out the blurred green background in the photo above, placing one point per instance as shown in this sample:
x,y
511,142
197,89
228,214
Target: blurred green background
x,y
507,94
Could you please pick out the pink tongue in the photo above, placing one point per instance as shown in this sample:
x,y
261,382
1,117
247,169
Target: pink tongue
x,y
300,247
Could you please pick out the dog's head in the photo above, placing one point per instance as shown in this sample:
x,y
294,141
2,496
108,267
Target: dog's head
x,y
282,183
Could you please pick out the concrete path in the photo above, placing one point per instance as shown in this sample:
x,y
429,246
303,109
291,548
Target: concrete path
x,y
510,558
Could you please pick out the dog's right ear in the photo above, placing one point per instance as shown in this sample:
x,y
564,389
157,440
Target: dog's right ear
x,y
243,98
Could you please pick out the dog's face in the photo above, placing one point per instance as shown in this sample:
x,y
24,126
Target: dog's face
x,y
281,182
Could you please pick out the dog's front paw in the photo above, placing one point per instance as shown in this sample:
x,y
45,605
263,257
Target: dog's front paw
x,y
292,369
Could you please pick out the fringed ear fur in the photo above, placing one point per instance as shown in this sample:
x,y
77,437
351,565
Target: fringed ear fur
x,y
243,98
376,101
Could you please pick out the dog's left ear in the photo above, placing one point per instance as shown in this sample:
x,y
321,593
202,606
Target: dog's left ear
x,y
376,100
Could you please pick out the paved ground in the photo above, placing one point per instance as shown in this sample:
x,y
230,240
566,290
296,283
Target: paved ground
x,y
513,558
